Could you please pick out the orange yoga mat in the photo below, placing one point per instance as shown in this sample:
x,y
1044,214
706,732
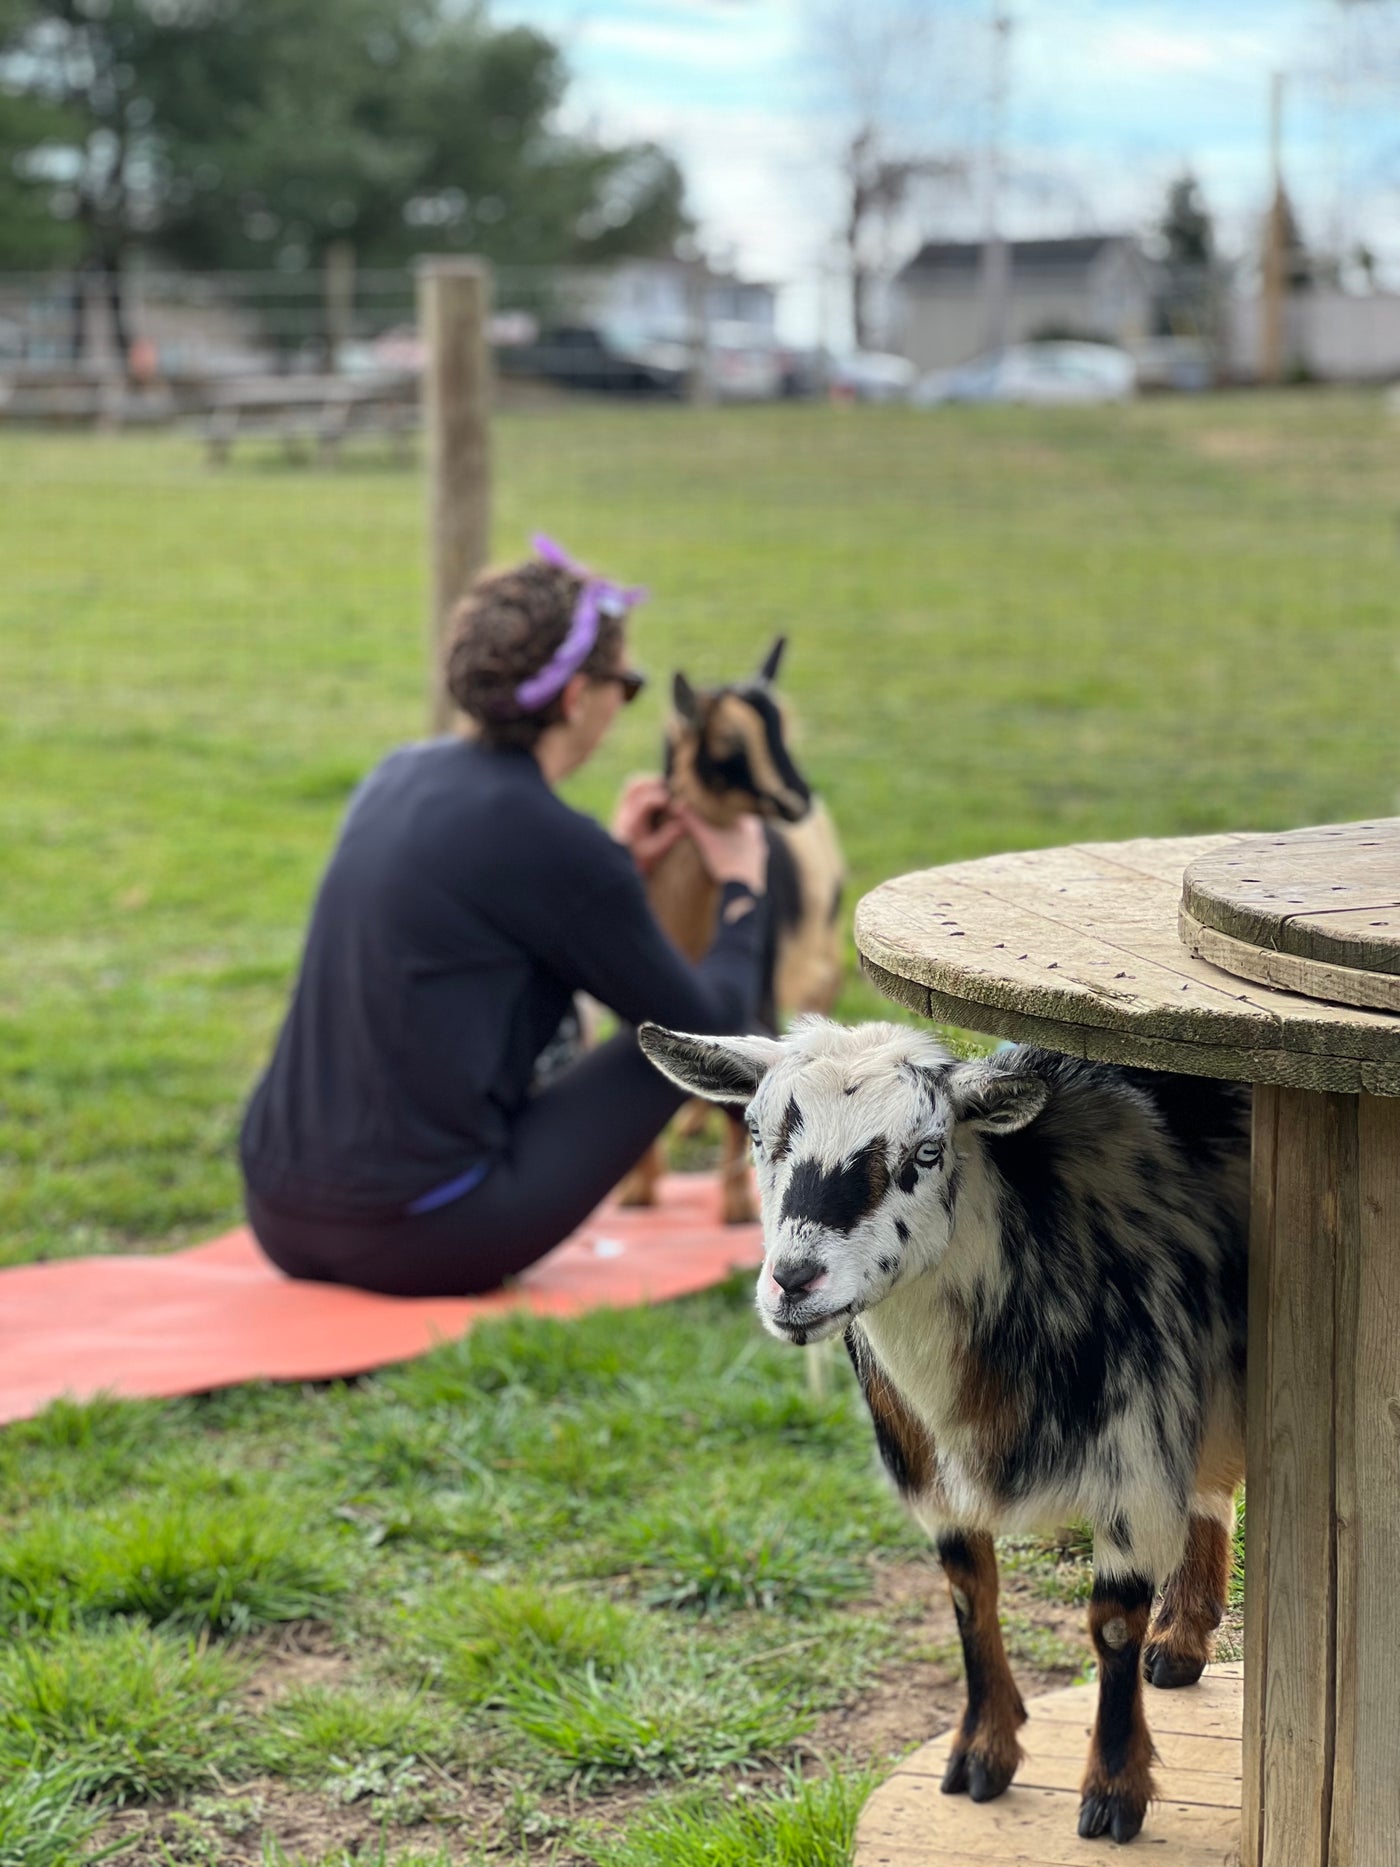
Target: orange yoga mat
x,y
219,1314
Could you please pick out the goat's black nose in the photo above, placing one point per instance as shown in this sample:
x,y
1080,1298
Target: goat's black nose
x,y
794,1278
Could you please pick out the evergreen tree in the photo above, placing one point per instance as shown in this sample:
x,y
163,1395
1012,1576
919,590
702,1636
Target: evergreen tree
x,y
248,133
1190,281
1187,229
30,121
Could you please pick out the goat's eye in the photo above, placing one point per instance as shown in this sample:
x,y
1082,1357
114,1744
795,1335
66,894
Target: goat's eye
x,y
755,1137
928,1153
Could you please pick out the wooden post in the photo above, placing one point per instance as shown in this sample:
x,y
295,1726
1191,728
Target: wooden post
x,y
1321,1724
453,309
340,299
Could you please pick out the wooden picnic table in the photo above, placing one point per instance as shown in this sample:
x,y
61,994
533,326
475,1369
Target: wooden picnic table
x,y
321,408
1094,950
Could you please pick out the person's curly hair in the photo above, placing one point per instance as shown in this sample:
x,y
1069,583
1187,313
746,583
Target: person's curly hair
x,y
504,630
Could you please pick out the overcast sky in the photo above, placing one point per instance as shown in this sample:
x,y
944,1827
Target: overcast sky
x,y
1105,101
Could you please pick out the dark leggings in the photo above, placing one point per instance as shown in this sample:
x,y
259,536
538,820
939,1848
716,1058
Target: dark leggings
x,y
571,1144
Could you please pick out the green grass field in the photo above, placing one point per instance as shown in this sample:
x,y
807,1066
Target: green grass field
x,y
532,1599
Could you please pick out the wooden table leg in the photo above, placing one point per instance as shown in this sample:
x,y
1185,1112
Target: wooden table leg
x,y
1322,1586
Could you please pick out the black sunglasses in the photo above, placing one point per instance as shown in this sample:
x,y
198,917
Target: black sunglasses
x,y
630,681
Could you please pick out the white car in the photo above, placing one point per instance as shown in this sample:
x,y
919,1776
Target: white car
x,y
743,361
1046,375
871,376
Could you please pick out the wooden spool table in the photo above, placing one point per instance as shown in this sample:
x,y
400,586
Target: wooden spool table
x,y
1078,949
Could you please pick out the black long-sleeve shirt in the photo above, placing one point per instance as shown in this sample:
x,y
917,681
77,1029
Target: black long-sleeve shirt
x,y
464,905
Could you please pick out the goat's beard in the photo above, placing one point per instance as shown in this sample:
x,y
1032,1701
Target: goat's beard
x,y
800,1330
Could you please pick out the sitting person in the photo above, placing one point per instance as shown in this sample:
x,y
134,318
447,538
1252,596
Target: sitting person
x,y
400,1140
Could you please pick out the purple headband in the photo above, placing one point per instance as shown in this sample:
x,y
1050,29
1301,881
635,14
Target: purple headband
x,y
597,598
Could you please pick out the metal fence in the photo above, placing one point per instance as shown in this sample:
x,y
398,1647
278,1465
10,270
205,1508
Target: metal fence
x,y
642,327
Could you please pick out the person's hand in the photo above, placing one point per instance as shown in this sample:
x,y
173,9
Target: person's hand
x,y
738,854
645,822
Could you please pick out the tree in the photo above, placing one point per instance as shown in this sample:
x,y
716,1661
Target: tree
x,y
877,187
275,130
492,174
1188,297
418,129
883,73
1187,229
247,133
29,235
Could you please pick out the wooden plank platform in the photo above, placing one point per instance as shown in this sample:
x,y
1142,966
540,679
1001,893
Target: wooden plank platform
x,y
909,1822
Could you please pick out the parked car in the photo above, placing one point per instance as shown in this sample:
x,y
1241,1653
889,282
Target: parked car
x,y
1180,363
585,356
1045,374
743,361
804,371
871,376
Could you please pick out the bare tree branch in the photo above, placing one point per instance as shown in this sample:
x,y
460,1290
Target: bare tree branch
x,y
888,76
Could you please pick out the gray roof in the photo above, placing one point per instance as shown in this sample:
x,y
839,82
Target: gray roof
x,y
965,256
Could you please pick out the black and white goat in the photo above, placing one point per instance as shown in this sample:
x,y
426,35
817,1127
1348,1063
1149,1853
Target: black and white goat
x,y
1039,1268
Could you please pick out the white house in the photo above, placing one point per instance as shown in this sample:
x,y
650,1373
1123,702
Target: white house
x,y
1095,285
1333,335
662,300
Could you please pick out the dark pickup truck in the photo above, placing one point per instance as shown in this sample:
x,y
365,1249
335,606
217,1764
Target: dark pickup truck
x,y
580,356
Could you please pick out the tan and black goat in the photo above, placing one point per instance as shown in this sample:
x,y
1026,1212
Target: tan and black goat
x,y
726,756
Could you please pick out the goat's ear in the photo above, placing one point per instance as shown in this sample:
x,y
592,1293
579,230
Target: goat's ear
x,y
687,701
722,1069
772,661
994,1100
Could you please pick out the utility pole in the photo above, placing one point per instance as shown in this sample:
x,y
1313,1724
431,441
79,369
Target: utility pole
x,y
996,260
1272,295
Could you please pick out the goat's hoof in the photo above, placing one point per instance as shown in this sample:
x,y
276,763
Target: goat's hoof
x,y
1167,1669
1112,1813
973,1773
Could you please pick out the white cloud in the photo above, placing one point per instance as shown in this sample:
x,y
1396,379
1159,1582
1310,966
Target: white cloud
x,y
650,39
1149,48
761,182
1108,99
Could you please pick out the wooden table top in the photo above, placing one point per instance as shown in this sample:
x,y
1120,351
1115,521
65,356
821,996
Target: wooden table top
x,y
1314,911
1078,949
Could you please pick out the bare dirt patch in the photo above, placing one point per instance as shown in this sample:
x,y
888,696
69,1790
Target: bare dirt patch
x,y
241,1826
302,1653
463,1812
1243,447
914,1699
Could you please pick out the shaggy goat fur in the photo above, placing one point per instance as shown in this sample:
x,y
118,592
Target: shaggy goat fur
x,y
1039,1268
